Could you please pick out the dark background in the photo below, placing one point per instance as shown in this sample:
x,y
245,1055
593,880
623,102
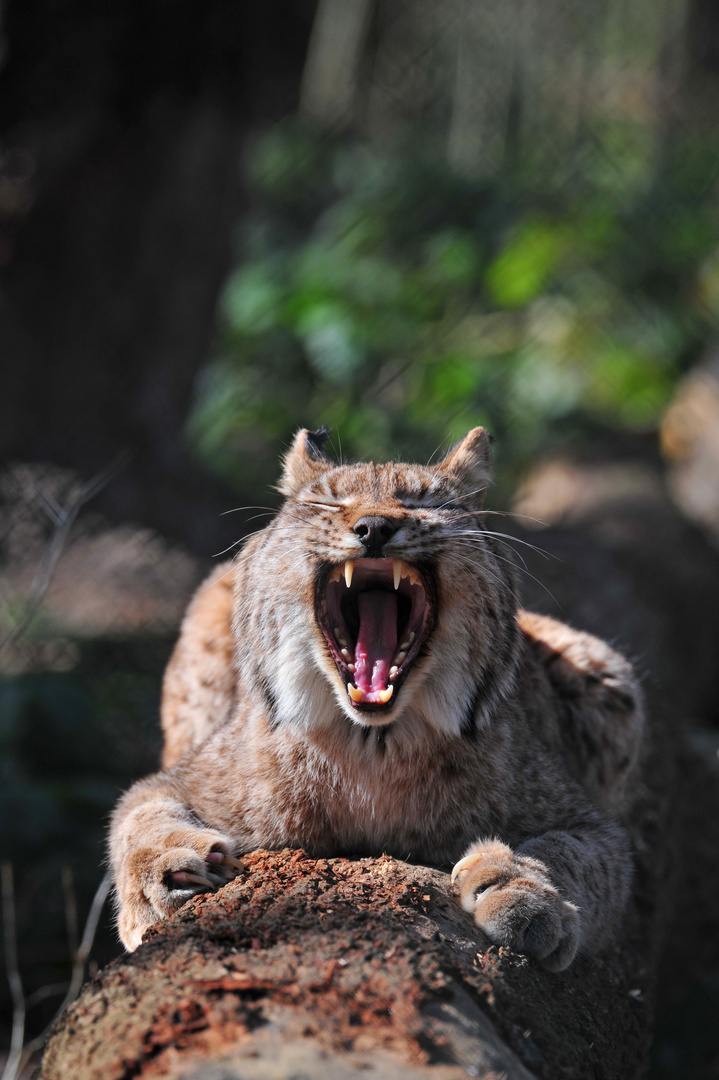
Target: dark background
x,y
222,221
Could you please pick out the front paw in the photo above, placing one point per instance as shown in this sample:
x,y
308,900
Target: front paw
x,y
153,885
514,902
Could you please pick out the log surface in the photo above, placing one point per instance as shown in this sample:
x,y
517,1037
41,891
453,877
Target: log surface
x,y
348,967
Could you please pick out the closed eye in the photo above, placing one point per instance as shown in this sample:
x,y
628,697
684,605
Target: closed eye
x,y
322,505
423,504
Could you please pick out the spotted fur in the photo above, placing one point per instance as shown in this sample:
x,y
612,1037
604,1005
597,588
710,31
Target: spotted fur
x,y
513,740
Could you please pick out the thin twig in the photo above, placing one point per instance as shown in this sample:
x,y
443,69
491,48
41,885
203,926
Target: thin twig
x,y
43,992
88,937
14,1058
63,518
68,888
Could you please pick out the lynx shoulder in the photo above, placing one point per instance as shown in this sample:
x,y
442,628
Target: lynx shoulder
x,y
360,679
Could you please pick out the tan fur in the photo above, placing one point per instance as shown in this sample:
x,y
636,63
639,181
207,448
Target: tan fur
x,y
198,691
514,739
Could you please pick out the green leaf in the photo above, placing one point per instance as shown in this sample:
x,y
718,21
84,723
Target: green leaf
x,y
524,269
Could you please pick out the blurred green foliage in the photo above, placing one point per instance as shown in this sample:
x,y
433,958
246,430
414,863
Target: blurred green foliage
x,y
378,293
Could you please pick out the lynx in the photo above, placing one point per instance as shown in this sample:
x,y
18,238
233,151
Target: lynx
x,y
360,680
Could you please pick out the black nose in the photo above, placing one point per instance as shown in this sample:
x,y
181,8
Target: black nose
x,y
374,531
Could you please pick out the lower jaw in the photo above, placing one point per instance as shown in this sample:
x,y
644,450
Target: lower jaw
x,y
369,714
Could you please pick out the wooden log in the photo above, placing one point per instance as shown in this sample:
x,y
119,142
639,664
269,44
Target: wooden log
x,y
340,967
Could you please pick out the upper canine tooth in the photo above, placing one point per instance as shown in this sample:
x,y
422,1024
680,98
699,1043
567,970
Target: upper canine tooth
x,y
355,693
349,570
383,696
397,571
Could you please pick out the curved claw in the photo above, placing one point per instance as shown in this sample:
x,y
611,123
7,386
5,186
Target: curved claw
x,y
219,859
184,877
228,860
466,862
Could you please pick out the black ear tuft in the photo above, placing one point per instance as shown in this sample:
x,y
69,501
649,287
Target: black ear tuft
x,y
316,441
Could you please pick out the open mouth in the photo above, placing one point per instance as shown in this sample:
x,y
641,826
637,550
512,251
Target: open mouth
x,y
375,615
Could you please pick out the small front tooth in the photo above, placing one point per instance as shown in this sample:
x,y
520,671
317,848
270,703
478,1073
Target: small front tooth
x,y
349,570
350,667
338,635
346,654
354,693
336,574
393,671
407,643
400,658
397,571
383,696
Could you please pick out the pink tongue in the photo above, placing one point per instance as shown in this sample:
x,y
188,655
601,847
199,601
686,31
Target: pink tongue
x,y
376,641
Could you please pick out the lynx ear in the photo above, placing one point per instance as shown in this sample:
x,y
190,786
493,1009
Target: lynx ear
x,y
470,462
304,461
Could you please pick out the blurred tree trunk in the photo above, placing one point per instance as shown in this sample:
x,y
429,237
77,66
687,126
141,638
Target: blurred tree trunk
x,y
703,36
329,82
122,129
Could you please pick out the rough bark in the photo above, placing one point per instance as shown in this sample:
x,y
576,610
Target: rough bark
x,y
337,967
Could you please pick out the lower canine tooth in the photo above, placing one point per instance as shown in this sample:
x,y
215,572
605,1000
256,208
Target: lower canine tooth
x,y
354,693
349,570
384,695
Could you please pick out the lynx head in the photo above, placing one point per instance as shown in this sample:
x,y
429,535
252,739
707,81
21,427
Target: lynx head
x,y
393,598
